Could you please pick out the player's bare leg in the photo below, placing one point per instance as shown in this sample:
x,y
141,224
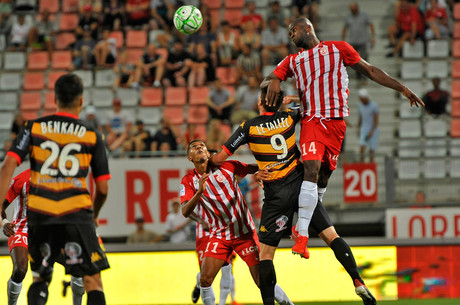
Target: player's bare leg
x,y
20,262
209,270
93,288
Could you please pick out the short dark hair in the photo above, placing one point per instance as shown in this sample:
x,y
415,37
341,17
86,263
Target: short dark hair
x,y
274,108
190,144
68,88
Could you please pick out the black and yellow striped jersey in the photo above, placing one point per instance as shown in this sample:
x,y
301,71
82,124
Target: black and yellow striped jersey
x,y
271,138
62,149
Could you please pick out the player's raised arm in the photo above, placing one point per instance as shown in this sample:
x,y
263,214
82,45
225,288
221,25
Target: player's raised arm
x,y
381,77
189,206
273,83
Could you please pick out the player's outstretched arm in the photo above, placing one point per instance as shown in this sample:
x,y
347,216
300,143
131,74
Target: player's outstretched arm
x,y
381,77
189,206
219,158
273,83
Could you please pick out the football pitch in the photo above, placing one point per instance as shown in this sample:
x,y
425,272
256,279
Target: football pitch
x,y
395,302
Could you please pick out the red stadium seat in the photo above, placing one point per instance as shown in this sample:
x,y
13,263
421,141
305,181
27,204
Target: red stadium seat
x,y
63,40
61,60
136,39
70,6
29,114
198,95
68,22
50,104
215,18
38,60
233,16
212,4
226,74
457,11
197,115
52,6
456,30
455,89
456,69
118,35
175,96
201,130
134,55
151,97
52,78
455,128
30,101
455,108
47,112
456,48
34,81
175,114
234,4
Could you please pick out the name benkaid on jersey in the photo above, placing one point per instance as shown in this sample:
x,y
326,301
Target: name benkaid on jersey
x,y
17,196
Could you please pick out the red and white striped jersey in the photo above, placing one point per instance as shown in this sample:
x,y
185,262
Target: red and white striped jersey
x,y
223,204
321,77
17,195
200,232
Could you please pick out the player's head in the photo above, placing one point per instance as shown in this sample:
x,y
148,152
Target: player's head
x,y
197,152
263,102
301,32
68,91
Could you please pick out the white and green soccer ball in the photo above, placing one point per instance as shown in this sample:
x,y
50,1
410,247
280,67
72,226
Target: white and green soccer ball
x,y
188,19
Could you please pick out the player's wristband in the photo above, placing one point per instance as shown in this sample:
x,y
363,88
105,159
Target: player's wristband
x,y
5,221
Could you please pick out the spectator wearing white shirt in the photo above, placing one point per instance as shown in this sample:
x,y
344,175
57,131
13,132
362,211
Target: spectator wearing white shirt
x,y
19,34
275,41
118,125
176,224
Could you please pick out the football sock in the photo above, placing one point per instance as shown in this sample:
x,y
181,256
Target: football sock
x,y
281,297
344,255
267,281
14,289
308,198
37,294
232,287
198,280
76,283
321,191
225,283
95,297
207,295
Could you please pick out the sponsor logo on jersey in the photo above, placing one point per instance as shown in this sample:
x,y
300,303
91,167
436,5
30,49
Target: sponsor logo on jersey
x,y
281,223
73,251
263,229
95,257
249,250
238,140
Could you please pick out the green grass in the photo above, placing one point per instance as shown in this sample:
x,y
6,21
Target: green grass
x,y
398,302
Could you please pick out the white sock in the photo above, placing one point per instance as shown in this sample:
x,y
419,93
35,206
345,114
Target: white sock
x,y
207,295
76,283
308,198
14,289
198,280
232,287
225,283
321,191
281,297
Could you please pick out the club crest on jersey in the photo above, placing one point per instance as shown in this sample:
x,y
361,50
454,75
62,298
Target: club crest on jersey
x,y
281,223
219,178
323,51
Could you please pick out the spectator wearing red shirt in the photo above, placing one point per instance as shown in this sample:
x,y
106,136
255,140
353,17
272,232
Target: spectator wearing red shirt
x,y
138,12
436,22
408,26
256,18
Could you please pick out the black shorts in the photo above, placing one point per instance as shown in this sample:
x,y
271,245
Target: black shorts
x,y
280,204
320,219
78,242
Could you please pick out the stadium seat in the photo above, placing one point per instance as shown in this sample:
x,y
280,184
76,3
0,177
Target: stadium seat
x,y
47,112
262,3
455,108
456,30
2,42
215,18
454,147
118,35
104,78
233,16
226,74
30,101
128,96
412,70
437,68
212,4
456,69
234,4
14,61
34,81
63,40
49,101
134,55
150,115
410,129
285,3
197,115
68,22
5,120
454,168
408,169
201,130
29,114
406,111
10,81
52,6
455,127
102,97
456,48
457,11
9,101
61,60
86,76
409,148
53,77
151,97
455,89
38,60
416,86
198,95
136,39
438,48
175,114
413,51
435,128
70,6
435,148
175,96
434,168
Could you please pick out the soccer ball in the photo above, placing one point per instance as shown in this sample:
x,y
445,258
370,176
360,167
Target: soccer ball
x,y
188,19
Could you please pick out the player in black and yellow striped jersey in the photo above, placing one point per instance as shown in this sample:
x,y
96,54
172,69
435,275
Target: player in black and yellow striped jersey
x,y
61,213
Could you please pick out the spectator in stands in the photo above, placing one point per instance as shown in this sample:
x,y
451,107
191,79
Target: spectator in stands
x,y
408,26
87,21
163,12
41,36
158,36
138,13
150,67
220,102
142,235
201,68
96,6
436,99
176,67
420,198
275,41
138,141
248,64
164,139
356,25
18,123
89,116
276,12
125,73
19,34
368,130
215,138
213,23
118,125
309,9
206,38
250,36
246,105
436,22
176,224
252,15
114,15
227,44
105,51
5,17
82,53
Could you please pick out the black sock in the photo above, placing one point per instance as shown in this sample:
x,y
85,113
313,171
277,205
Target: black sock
x,y
38,293
267,281
344,255
96,297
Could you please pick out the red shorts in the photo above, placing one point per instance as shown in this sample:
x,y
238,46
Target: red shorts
x,y
321,139
18,240
246,246
201,247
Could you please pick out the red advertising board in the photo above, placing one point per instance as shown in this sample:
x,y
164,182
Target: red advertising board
x,y
360,182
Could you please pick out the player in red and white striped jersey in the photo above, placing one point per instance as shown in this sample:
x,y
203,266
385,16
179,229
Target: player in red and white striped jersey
x,y
319,69
231,227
